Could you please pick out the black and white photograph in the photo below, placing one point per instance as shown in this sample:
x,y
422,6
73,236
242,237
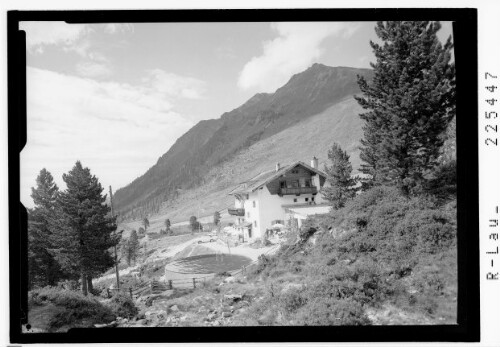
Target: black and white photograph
x,y
240,174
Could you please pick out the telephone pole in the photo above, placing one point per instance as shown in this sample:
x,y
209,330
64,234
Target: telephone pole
x,y
116,253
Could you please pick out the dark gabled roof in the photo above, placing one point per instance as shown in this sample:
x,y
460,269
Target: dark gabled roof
x,y
268,176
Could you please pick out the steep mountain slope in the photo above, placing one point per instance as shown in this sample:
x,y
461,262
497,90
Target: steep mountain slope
x,y
213,142
312,137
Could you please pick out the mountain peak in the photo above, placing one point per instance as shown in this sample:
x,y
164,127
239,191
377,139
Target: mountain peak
x,y
210,143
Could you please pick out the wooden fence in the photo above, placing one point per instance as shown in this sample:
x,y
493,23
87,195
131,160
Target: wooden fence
x,y
157,286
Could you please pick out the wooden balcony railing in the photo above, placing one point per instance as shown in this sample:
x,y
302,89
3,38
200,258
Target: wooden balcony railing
x,y
299,190
236,212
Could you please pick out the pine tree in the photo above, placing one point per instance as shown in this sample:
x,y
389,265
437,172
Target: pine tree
x,y
145,222
43,269
167,226
216,218
86,231
133,246
410,102
195,225
341,185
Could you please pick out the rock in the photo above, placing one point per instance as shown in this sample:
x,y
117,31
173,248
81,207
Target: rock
x,y
174,308
226,314
291,286
233,297
230,279
211,316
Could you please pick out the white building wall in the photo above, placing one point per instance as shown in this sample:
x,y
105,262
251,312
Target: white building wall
x,y
269,207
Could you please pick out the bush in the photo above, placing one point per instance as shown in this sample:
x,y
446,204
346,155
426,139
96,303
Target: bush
x,y
328,311
429,231
292,300
79,310
122,305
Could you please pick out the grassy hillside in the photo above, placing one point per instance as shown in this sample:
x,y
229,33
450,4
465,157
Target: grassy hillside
x,y
312,137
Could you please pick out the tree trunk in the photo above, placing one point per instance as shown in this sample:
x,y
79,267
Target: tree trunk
x,y
90,287
84,284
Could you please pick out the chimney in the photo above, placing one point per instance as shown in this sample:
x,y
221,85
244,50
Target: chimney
x,y
277,167
314,163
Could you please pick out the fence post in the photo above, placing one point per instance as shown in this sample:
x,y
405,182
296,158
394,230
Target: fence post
x,y
194,282
107,290
170,284
130,291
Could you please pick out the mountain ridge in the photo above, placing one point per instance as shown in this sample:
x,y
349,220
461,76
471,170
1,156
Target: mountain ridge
x,y
211,142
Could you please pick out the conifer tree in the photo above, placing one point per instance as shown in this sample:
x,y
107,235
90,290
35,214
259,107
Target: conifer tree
x,y
167,226
341,185
216,218
409,103
43,269
145,222
85,235
133,247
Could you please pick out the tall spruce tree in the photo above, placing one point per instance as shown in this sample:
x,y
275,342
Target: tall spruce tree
x,y
43,269
167,226
145,222
85,235
133,246
341,186
410,103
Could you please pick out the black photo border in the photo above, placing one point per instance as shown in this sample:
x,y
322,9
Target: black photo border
x,y
465,40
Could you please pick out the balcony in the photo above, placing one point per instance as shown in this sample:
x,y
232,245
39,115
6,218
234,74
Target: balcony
x,y
298,190
236,212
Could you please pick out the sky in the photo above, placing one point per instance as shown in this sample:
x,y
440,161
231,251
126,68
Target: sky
x,y
118,96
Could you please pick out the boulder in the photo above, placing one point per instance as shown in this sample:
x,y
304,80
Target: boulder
x,y
230,279
230,298
292,286
174,308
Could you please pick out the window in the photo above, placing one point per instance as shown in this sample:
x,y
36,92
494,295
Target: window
x,y
248,214
307,199
254,203
312,199
255,223
294,200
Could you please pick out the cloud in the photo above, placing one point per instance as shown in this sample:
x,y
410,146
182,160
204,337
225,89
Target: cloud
x,y
118,130
93,70
296,47
175,85
39,34
113,28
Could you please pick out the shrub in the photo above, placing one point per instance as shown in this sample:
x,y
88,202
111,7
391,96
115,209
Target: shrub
x,y
428,231
329,311
79,310
292,299
122,305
